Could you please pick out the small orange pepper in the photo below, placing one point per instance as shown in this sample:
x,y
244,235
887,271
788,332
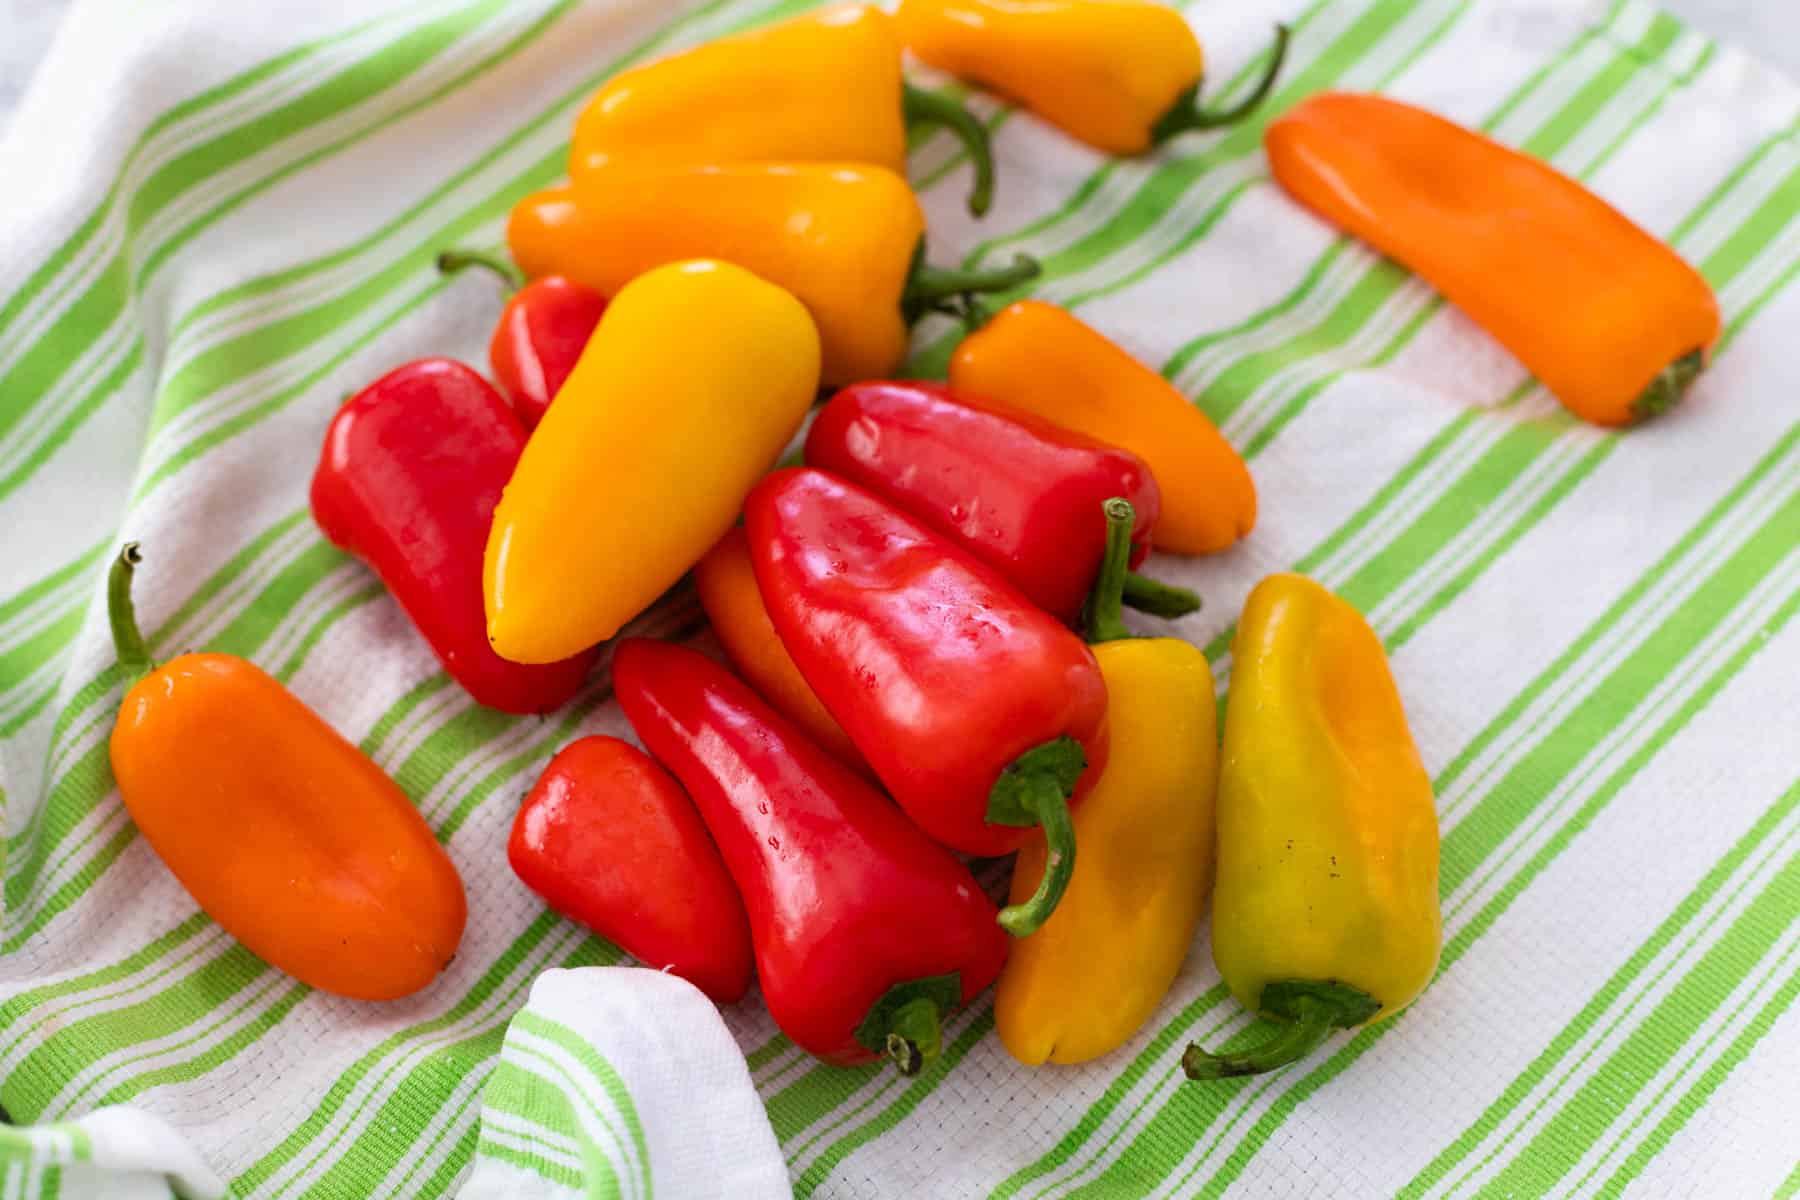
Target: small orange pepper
x,y
727,585
846,240
1608,318
1120,75
286,834
1040,358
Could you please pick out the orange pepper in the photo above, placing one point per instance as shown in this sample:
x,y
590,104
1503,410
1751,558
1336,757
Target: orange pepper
x,y
286,834
728,592
1608,318
846,240
1040,358
1121,75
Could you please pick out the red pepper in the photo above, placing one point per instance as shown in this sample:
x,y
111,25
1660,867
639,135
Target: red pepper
x,y
407,481
610,840
978,710
1012,489
866,932
540,335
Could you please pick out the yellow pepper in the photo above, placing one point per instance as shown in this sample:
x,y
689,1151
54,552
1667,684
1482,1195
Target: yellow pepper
x,y
1120,75
824,86
1325,915
1084,982
846,240
696,377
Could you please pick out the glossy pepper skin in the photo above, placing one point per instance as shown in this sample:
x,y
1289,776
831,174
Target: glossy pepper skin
x,y
824,86
602,515
1084,983
609,839
866,933
1612,321
1120,75
407,481
844,239
1041,359
1013,490
977,710
1325,914
286,834
540,334
727,585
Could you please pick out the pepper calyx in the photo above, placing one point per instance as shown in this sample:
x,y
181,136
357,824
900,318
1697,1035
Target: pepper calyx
x,y
1669,386
906,1024
1308,1010
1034,789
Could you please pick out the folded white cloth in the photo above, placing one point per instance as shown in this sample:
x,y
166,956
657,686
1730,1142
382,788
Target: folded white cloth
x,y
622,1081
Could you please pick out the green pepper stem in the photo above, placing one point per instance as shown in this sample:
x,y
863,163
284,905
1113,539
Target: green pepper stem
x,y
128,639
1102,617
922,107
1052,807
1157,598
1310,1010
906,1023
926,284
1669,386
452,261
1186,115
915,1035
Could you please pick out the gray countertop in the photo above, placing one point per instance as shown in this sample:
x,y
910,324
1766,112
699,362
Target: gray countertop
x,y
1769,28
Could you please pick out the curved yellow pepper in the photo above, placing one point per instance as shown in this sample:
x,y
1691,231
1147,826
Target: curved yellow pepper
x,y
1120,75
824,86
845,239
696,377
1325,914
1095,972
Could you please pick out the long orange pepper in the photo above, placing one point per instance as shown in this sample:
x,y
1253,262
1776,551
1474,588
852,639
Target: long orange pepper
x,y
1041,359
285,833
1612,321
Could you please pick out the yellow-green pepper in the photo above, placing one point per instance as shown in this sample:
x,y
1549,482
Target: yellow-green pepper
x,y
1325,914
1095,972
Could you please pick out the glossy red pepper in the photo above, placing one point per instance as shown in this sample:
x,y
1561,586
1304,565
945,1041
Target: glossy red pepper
x,y
979,711
610,840
540,335
866,932
1012,489
411,470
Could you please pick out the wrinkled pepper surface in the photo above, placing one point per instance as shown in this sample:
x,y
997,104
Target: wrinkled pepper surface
x,y
847,240
980,712
411,470
1041,359
540,334
867,934
1120,75
1611,320
1325,914
1012,489
1084,983
603,513
287,835
726,583
609,839
824,86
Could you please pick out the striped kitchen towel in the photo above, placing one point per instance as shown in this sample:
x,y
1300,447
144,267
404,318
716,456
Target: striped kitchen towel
x,y
220,218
